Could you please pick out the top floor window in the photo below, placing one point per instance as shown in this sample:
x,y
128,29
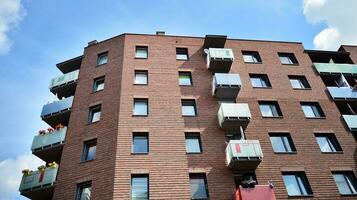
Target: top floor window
x,y
141,52
102,58
287,59
251,57
181,54
299,82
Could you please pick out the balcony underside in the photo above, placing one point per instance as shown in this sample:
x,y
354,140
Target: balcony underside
x,y
226,92
44,192
220,66
49,153
234,123
244,164
60,117
65,90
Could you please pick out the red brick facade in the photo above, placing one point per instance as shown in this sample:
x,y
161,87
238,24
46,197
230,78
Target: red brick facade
x,y
167,163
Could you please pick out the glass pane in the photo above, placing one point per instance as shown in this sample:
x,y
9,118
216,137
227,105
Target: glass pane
x,y
140,108
308,111
198,188
193,145
295,83
99,86
185,79
341,183
96,116
302,185
188,110
266,110
323,144
141,78
256,82
85,193
91,152
274,110
285,60
316,111
140,144
141,53
248,58
291,185
139,188
352,183
181,57
102,59
277,143
287,144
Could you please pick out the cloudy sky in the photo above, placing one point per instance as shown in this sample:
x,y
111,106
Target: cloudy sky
x,y
37,34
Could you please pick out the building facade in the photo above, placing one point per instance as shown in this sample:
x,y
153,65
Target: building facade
x,y
173,117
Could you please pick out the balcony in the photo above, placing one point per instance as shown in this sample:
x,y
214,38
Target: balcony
x,y
334,68
351,121
265,192
219,60
57,112
342,93
39,185
226,86
65,85
70,65
243,155
49,146
232,116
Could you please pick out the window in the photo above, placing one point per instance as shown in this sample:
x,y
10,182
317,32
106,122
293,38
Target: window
x,y
181,54
270,109
102,58
296,184
299,82
199,188
251,57
94,113
193,143
185,78
84,191
188,108
141,107
98,84
312,110
141,77
346,182
141,52
327,142
140,187
287,58
140,143
282,142
89,150
260,80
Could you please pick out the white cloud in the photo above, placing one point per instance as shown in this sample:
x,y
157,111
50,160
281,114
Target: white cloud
x,y
339,17
11,13
11,173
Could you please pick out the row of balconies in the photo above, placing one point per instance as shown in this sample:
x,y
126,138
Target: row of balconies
x,y
48,145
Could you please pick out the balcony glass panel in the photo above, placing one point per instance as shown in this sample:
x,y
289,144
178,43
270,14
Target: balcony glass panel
x,y
342,93
49,139
64,79
38,179
336,68
351,121
57,106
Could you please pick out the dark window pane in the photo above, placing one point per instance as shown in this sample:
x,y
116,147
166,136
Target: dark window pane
x,y
140,143
260,80
251,57
94,114
90,148
98,84
181,53
198,186
185,78
188,108
102,59
296,184
84,191
141,52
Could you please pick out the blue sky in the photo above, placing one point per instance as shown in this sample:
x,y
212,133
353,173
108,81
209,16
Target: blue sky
x,y
44,32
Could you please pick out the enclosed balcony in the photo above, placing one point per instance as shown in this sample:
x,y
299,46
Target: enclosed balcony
x,y
65,85
232,116
351,121
243,155
335,68
265,192
39,184
48,146
57,112
219,60
226,86
342,93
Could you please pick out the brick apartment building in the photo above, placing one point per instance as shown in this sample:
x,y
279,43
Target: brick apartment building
x,y
173,117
